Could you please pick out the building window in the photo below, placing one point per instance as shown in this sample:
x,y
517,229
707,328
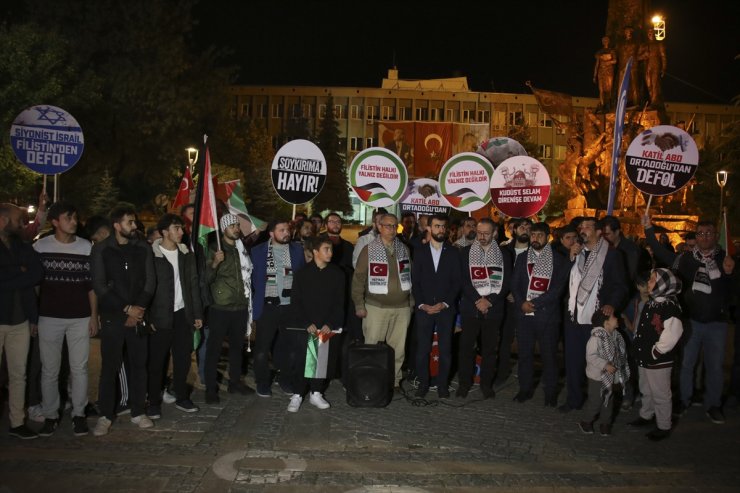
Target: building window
x,y
338,111
295,111
245,110
466,117
515,118
322,111
277,110
545,151
484,116
560,152
307,110
450,115
387,113
369,142
532,119
436,114
355,143
421,114
370,113
545,121
499,120
404,113
354,112
262,111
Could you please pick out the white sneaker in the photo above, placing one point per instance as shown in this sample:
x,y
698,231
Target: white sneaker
x,y
318,400
143,421
35,413
102,426
168,398
295,403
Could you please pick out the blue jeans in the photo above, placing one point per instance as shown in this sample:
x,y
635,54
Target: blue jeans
x,y
709,337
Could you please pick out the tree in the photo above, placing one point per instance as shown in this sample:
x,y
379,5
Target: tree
x,y
262,200
335,194
105,196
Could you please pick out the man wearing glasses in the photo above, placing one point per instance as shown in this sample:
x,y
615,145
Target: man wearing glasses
x,y
706,273
381,290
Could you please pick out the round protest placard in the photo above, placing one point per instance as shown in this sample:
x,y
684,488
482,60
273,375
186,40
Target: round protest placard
x,y
298,171
520,186
661,160
378,177
423,197
47,139
464,181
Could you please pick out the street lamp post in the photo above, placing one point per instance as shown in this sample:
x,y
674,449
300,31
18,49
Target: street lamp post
x,y
192,157
659,27
721,181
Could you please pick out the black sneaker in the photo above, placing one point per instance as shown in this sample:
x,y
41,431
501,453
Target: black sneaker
x,y
186,406
657,434
154,411
605,429
522,397
715,415
22,432
79,426
50,426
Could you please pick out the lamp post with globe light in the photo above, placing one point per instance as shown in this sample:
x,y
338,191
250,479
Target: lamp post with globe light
x,y
192,157
721,181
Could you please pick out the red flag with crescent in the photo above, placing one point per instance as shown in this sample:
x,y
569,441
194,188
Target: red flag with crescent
x,y
478,273
183,193
539,284
378,269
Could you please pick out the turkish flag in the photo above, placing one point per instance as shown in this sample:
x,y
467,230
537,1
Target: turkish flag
x,y
539,283
478,273
183,193
378,269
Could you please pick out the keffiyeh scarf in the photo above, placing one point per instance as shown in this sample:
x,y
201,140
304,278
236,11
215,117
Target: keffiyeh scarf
x,y
586,277
611,348
486,268
276,280
539,268
707,271
378,267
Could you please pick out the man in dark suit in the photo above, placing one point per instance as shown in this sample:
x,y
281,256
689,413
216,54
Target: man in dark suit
x,y
486,278
435,284
540,276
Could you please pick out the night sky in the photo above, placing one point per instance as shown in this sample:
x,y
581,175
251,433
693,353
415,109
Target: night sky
x,y
498,45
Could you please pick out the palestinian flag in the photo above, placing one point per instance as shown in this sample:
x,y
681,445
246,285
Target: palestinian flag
x,y
231,193
462,197
725,240
371,192
207,220
495,273
317,354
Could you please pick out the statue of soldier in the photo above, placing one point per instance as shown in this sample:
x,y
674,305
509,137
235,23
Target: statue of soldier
x,y
653,55
626,49
606,58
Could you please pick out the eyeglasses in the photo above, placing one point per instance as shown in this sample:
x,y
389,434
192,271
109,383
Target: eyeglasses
x,y
389,226
704,234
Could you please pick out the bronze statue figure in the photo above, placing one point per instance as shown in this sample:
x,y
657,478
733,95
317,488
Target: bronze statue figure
x,y
626,49
653,56
606,58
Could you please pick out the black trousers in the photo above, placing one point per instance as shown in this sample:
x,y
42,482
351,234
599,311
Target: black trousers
x,y
267,339
508,333
488,329
425,325
545,334
294,343
223,323
113,336
179,341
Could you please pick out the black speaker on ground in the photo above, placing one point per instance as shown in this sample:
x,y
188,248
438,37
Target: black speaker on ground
x,y
370,375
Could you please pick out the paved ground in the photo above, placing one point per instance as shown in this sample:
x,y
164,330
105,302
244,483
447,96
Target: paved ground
x,y
250,444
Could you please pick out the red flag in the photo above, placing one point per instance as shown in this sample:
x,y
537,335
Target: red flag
x,y
208,219
183,193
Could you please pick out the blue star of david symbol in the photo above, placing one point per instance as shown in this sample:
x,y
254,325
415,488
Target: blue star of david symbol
x,y
50,115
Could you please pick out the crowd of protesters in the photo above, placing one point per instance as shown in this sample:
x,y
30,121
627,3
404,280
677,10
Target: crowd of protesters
x,y
624,311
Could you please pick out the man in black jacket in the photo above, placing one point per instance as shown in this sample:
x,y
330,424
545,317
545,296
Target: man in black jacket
x,y
435,284
486,278
175,311
124,282
540,276
20,271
